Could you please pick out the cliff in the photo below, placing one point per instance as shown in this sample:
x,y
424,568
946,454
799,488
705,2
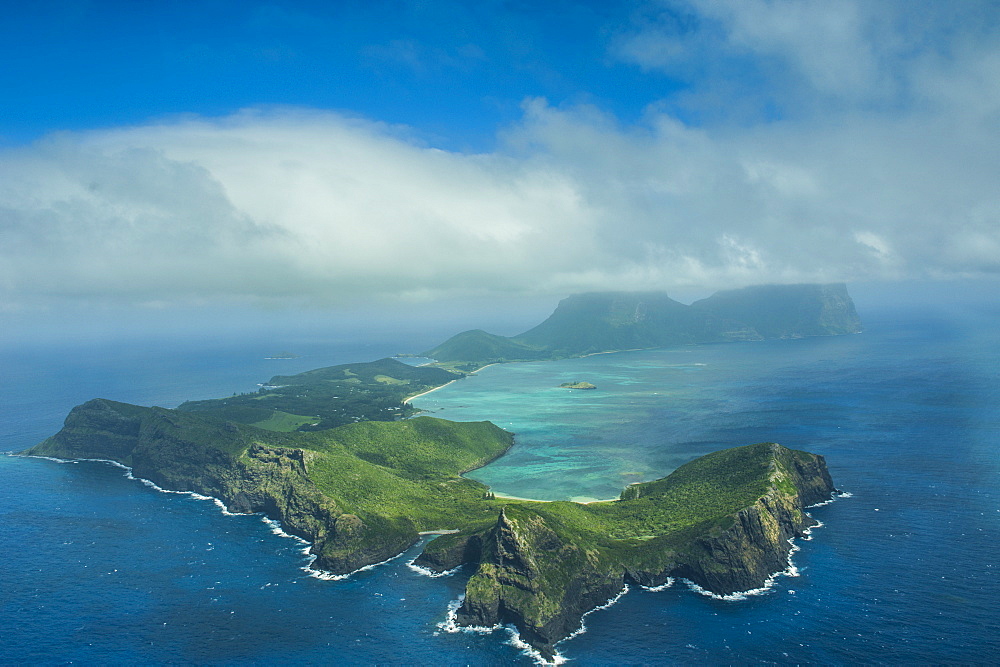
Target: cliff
x,y
606,321
723,521
360,493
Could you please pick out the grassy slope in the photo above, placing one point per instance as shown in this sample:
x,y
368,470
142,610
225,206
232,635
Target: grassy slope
x,y
411,470
326,398
399,471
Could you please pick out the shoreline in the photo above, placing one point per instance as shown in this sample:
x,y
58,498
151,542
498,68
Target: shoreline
x,y
536,500
424,393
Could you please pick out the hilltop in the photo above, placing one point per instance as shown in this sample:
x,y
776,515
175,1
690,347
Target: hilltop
x,y
610,321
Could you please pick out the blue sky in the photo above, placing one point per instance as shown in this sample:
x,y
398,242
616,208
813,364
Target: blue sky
x,y
455,71
163,156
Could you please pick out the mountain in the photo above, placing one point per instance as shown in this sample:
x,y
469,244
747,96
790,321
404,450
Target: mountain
x,y
608,321
779,311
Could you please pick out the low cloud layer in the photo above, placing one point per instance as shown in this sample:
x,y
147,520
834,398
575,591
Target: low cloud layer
x,y
882,164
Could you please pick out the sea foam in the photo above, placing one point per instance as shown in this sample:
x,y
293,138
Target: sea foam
x,y
662,587
790,571
273,524
428,572
330,576
514,637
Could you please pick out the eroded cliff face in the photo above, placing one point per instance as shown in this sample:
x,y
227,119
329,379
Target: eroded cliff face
x,y
224,460
543,580
537,580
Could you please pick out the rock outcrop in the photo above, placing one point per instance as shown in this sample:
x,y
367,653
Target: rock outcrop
x,y
182,452
538,571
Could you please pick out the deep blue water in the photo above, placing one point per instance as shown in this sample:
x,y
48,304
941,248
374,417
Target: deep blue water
x,y
98,568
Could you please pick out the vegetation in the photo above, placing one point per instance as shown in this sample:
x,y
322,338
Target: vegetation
x,y
577,385
283,422
325,398
608,321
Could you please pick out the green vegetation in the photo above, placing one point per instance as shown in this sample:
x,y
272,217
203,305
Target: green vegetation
x,y
283,422
484,348
723,520
608,321
325,398
394,478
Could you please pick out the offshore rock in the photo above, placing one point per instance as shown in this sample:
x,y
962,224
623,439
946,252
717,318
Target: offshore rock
x,y
533,578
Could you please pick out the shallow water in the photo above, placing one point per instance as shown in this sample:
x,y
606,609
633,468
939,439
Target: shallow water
x,y
99,568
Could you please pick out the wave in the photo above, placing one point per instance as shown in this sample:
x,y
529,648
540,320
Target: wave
x,y
428,572
662,587
153,485
583,626
330,576
449,623
276,529
530,651
273,524
35,456
834,497
514,637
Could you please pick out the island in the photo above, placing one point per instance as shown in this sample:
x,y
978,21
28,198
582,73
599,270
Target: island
x,y
341,458
283,355
599,322
577,385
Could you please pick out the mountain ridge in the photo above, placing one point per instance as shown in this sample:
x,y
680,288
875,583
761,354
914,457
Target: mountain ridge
x,y
595,322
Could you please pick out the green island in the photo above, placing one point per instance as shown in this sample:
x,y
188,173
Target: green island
x,y
340,457
577,385
601,322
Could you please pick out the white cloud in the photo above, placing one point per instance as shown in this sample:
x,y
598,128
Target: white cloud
x,y
305,205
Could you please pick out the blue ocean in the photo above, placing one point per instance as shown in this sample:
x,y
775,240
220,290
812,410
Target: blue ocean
x,y
99,568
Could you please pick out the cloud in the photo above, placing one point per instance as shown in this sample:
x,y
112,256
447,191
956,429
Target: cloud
x,y
895,179
284,204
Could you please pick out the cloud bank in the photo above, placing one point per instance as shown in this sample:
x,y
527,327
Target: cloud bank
x,y
819,142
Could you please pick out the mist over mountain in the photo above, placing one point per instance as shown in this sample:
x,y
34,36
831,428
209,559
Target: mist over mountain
x,y
607,321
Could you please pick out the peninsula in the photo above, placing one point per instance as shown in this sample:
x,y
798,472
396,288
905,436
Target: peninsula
x,y
332,454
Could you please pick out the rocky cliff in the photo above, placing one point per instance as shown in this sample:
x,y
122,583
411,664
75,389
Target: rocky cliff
x,y
250,470
542,566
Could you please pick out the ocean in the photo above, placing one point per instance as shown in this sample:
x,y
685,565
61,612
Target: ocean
x,y
99,568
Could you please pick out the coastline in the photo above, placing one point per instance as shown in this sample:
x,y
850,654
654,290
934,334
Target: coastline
x,y
536,500
410,399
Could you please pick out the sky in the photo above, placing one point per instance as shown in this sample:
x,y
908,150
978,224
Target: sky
x,y
161,160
